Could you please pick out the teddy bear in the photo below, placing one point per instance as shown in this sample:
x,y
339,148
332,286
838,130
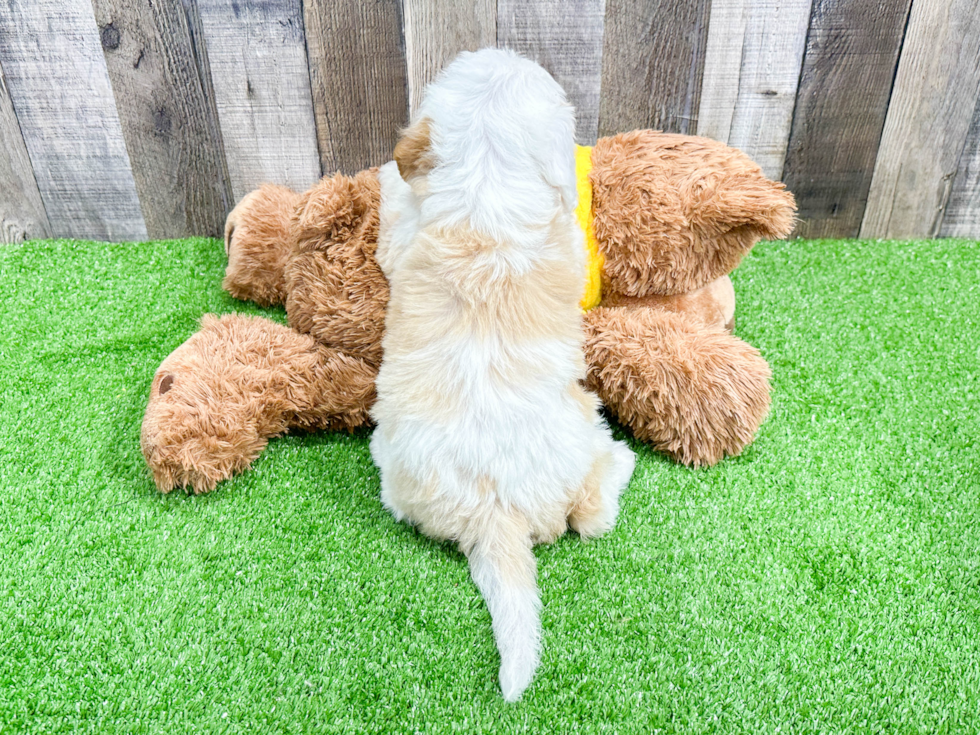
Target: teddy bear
x,y
666,217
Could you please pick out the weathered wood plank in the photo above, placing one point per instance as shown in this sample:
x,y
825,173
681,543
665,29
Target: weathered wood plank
x,y
169,121
257,53
751,71
437,30
851,55
358,77
962,217
935,94
60,89
22,215
652,63
566,39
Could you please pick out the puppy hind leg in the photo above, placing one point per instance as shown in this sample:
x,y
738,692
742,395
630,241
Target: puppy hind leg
x,y
396,483
621,469
596,509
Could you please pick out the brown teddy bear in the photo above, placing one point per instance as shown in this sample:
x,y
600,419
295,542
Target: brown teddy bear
x,y
671,216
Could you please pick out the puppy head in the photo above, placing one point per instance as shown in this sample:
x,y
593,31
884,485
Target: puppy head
x,y
497,118
554,151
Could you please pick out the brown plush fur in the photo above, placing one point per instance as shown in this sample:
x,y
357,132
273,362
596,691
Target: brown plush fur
x,y
712,305
257,262
674,212
336,291
693,392
219,397
673,216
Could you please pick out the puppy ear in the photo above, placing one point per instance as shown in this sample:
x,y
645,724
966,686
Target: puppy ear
x,y
413,152
556,155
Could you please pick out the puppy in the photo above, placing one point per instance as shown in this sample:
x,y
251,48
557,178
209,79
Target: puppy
x,y
485,435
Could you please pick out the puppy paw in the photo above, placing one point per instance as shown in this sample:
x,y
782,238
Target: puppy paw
x,y
596,511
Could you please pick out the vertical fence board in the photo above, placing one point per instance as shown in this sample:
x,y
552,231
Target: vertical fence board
x,y
652,64
358,77
168,119
751,71
935,94
150,117
257,53
962,218
850,61
57,78
566,39
22,215
437,30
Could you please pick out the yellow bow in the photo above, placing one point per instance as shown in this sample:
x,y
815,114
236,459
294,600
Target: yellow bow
x,y
583,213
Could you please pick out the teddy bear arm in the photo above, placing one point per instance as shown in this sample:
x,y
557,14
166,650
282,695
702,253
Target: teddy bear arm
x,y
335,289
696,393
343,393
712,305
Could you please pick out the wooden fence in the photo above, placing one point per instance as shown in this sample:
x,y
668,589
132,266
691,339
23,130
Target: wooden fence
x,y
135,119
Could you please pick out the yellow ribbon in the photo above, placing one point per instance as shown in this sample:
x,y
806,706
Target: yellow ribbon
x,y
583,213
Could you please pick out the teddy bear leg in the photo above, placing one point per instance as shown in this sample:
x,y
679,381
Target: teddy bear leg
x,y
258,244
695,393
219,397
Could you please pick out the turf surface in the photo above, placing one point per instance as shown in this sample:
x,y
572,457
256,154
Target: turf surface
x,y
828,580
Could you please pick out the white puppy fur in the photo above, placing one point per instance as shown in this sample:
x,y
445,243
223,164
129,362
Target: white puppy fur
x,y
485,435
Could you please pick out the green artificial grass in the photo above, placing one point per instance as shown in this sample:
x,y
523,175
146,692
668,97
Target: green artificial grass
x,y
828,580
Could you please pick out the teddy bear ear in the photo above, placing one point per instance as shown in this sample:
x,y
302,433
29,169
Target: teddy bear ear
x,y
674,212
413,154
753,202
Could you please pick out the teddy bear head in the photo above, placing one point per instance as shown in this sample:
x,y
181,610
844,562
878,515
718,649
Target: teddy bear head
x,y
673,213
200,424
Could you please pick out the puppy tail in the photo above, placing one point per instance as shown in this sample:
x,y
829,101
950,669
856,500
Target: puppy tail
x,y
505,571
